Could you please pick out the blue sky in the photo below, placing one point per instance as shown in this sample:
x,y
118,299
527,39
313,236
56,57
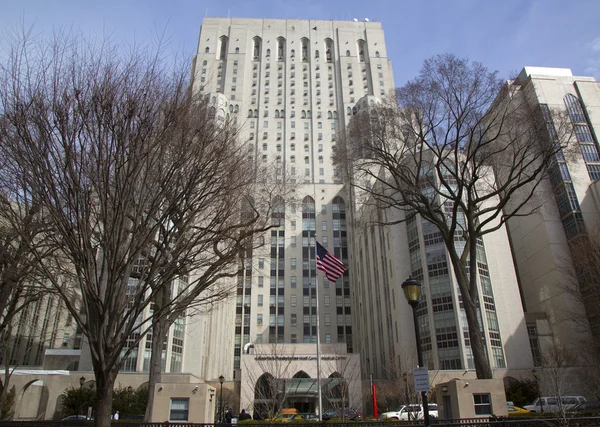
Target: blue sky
x,y
505,35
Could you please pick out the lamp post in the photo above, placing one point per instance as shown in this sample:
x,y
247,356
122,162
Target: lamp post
x,y
405,378
81,383
221,379
412,292
539,393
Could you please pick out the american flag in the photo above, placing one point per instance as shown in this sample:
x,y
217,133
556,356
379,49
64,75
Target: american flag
x,y
328,263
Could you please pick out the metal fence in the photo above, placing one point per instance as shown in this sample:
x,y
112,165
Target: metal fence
x,y
473,422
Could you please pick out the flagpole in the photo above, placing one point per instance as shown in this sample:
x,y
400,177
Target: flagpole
x,y
319,391
318,335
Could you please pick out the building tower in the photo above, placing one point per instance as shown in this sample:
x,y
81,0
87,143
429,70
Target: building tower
x,y
291,86
560,299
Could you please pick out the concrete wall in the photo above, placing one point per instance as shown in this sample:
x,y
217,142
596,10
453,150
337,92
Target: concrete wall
x,y
38,393
456,398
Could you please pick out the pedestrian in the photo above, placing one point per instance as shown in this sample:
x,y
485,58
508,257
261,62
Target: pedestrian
x,y
116,417
244,415
228,417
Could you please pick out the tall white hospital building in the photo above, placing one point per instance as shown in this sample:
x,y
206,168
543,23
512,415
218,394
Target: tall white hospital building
x,y
292,86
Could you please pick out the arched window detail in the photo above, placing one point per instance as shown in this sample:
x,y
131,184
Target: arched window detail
x,y
250,113
206,50
257,47
282,115
329,50
268,53
236,109
348,111
255,113
303,114
292,53
329,115
316,54
265,392
347,53
587,142
280,49
304,42
362,48
237,50
377,53
276,114
335,116
231,108
574,109
308,115
301,374
292,159
223,52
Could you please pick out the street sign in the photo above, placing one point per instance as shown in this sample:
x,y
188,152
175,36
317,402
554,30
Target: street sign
x,y
421,378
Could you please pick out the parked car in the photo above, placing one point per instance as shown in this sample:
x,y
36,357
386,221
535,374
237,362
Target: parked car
x,y
591,408
310,416
411,412
551,404
349,414
75,418
516,411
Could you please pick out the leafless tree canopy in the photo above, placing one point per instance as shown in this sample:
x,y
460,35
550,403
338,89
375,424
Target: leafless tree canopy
x,y
138,182
456,145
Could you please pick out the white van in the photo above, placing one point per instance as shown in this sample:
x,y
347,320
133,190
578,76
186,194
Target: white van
x,y
411,412
551,404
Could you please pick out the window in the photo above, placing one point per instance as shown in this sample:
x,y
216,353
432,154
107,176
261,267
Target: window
x,y
293,301
293,241
293,263
259,319
327,319
327,338
293,320
261,281
261,263
482,404
324,225
293,282
260,301
179,408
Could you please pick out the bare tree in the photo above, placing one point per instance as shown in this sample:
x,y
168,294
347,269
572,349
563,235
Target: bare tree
x,y
582,269
271,373
140,183
455,147
22,229
339,389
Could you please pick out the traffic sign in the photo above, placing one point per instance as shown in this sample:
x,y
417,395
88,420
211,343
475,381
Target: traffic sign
x,y
421,378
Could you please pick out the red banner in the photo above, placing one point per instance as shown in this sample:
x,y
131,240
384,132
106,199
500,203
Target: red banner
x,y
375,410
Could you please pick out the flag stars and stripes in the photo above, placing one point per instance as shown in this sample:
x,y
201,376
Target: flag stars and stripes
x,y
328,263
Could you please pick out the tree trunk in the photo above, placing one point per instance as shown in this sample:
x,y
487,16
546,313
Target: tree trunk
x,y
160,329
482,364
104,390
470,298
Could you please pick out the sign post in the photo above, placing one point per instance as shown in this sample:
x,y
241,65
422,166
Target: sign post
x,y
421,379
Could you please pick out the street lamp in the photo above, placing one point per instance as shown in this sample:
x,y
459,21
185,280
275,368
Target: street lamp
x,y
221,379
412,292
81,383
405,378
537,384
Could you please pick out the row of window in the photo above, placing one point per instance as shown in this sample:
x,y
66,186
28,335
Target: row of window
x,y
281,42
